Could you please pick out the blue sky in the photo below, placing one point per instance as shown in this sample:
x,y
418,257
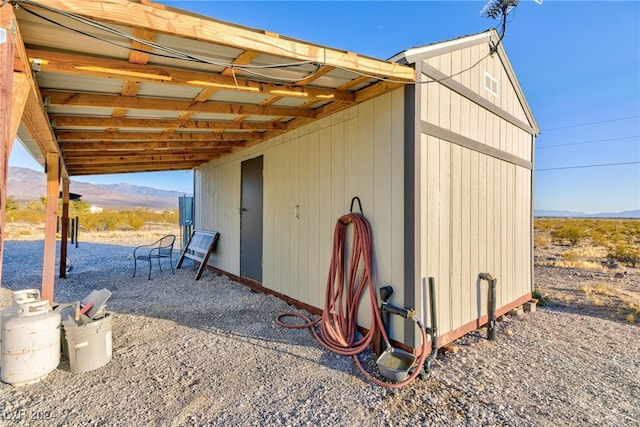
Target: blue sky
x,y
578,63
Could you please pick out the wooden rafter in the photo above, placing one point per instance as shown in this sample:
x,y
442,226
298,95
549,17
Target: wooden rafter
x,y
153,136
139,54
88,146
34,116
142,158
136,167
244,58
63,121
88,100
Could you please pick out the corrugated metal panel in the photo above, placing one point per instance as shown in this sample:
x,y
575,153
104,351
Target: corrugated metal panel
x,y
152,114
279,75
79,83
80,111
289,102
46,34
238,96
222,55
168,91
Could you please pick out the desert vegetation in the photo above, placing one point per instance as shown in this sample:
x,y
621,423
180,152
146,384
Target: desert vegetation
x,y
589,240
595,265
31,215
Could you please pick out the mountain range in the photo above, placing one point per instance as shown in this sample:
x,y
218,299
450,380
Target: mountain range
x,y
27,184
561,213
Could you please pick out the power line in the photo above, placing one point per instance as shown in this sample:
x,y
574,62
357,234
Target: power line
x,y
591,123
587,166
588,142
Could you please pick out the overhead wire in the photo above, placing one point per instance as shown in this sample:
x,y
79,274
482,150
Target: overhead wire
x,y
587,142
591,123
587,166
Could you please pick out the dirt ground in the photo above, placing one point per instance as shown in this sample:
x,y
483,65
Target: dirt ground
x,y
589,284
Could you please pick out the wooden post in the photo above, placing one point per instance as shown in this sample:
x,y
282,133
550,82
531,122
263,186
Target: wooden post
x,y
64,229
51,218
6,89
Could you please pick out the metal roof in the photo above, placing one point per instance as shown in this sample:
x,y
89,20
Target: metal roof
x,y
133,86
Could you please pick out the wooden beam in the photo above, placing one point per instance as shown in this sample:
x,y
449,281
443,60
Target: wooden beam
x,y
19,96
156,136
34,116
115,158
90,154
67,147
139,54
91,66
143,167
50,223
245,58
176,22
64,229
61,121
6,90
86,100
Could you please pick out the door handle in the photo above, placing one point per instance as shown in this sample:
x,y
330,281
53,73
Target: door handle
x,y
242,210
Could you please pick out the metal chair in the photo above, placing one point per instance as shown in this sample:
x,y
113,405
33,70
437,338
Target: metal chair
x,y
162,248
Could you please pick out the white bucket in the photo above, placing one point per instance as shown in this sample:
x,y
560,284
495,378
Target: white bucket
x,y
89,346
30,343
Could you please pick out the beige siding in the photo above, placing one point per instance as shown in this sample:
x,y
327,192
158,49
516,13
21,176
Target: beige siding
x,y
319,167
474,210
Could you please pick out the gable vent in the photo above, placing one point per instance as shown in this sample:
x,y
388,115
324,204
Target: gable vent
x,y
491,84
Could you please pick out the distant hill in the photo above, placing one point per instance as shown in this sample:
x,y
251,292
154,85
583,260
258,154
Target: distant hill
x,y
26,184
571,214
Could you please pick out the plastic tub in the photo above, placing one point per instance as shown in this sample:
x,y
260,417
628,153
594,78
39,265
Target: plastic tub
x,y
89,345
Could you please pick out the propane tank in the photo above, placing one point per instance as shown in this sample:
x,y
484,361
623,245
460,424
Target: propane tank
x,y
19,297
30,343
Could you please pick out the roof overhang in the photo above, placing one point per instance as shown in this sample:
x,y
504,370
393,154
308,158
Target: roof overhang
x,y
134,86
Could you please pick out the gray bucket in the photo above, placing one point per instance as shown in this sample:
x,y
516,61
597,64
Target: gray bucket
x,y
89,345
394,364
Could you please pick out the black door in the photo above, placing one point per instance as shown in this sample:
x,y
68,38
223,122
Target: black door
x,y
251,220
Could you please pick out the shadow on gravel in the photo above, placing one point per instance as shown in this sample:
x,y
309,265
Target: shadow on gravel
x,y
213,304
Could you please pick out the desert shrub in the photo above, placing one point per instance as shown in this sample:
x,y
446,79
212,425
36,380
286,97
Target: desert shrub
x,y
598,238
540,241
542,299
625,253
11,204
101,221
569,255
571,233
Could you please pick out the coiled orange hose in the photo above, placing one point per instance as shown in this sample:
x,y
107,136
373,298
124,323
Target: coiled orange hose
x,y
338,323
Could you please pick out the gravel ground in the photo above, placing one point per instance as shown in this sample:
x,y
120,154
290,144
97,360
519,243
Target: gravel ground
x,y
207,352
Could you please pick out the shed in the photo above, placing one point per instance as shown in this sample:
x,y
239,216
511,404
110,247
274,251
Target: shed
x,y
443,168
437,143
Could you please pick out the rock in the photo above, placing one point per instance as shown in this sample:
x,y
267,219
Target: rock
x,y
507,332
618,275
